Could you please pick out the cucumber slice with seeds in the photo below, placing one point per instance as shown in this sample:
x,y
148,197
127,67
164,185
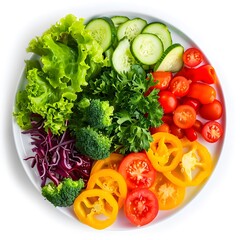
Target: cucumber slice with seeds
x,y
122,58
147,48
171,60
103,31
131,28
118,20
161,30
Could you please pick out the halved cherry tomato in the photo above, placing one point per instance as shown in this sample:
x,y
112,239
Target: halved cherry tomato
x,y
169,195
212,131
96,208
211,111
141,206
162,78
194,167
165,151
137,170
192,57
111,162
111,181
202,92
179,86
168,101
184,116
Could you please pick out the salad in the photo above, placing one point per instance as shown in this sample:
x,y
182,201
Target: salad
x,y
120,118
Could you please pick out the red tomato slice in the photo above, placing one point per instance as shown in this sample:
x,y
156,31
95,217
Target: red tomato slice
x,y
192,57
179,86
184,116
212,131
141,206
137,170
162,78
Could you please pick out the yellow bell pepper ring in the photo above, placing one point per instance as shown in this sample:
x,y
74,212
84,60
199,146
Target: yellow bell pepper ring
x,y
165,151
109,180
195,166
96,208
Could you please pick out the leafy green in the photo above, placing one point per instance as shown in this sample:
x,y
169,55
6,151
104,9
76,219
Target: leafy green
x,y
134,113
68,57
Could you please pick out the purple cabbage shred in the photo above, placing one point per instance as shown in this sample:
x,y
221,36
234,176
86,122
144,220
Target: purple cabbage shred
x,y
55,156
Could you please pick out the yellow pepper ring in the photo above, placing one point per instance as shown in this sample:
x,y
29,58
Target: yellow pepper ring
x,y
194,167
165,151
96,208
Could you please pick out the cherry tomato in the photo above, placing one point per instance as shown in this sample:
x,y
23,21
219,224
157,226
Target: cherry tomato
x,y
198,125
177,131
141,206
184,116
192,57
212,131
191,134
192,102
204,93
211,111
162,78
168,101
162,128
137,170
179,86
167,118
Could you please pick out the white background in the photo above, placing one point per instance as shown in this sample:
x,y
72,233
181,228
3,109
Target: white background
x,y
214,213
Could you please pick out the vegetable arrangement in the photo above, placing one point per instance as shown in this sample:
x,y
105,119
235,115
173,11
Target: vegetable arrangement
x,y
117,114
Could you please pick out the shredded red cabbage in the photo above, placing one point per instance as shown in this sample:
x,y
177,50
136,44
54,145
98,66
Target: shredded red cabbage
x,y
55,156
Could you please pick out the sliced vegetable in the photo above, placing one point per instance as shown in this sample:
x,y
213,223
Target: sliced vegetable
x,y
147,48
118,20
96,208
192,57
184,116
169,195
171,60
161,30
122,58
165,151
141,206
212,131
131,28
195,166
179,86
137,170
111,181
103,31
111,162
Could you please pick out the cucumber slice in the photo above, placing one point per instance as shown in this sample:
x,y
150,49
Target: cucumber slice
x,y
118,20
131,28
103,31
147,48
171,60
122,58
161,30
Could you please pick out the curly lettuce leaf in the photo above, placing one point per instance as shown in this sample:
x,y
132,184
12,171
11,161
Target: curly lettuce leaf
x,y
67,57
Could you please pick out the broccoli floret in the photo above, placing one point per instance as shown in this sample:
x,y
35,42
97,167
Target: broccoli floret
x,y
99,114
92,143
64,194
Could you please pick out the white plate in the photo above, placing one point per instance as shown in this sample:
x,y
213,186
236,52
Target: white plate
x,y
23,141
